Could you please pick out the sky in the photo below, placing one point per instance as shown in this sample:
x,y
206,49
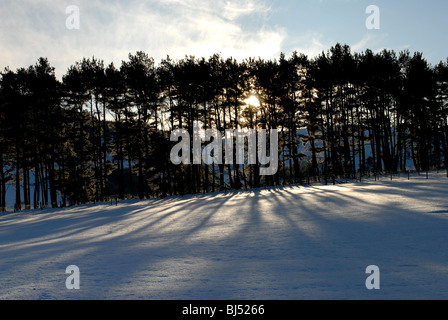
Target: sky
x,y
110,30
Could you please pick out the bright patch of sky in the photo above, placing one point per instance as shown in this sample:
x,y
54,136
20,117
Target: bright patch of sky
x,y
110,30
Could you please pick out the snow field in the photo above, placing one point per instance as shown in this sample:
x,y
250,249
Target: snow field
x,y
282,243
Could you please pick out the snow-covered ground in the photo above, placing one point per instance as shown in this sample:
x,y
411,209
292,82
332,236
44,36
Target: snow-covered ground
x,y
286,243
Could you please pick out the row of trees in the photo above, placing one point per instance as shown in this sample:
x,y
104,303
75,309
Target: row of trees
x,y
105,131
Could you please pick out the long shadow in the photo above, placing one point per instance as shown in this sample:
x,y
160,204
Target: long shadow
x,y
142,225
341,235
281,244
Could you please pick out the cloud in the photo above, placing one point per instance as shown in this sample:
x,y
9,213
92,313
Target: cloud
x,y
314,43
110,30
234,10
311,44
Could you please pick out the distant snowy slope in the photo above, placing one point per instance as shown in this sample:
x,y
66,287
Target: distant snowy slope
x,y
288,243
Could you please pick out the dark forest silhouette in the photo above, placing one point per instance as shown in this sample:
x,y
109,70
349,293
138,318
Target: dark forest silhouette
x,y
104,131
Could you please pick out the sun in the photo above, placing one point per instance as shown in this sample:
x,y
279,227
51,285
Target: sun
x,y
252,101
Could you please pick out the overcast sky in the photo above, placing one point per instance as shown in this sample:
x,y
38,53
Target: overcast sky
x,y
110,30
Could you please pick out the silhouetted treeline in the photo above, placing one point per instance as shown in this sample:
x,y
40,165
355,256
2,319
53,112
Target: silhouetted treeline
x,y
105,130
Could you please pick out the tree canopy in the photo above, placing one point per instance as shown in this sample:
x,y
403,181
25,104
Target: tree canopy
x,y
104,131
